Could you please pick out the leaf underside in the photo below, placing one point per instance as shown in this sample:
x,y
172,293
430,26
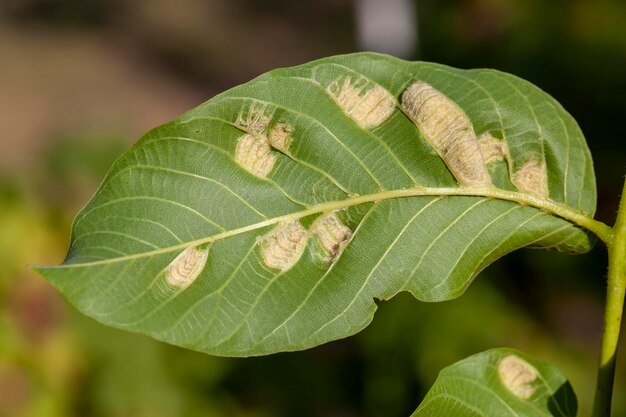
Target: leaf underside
x,y
270,217
499,382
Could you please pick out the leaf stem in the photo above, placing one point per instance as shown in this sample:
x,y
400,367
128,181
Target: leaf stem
x,y
579,218
612,313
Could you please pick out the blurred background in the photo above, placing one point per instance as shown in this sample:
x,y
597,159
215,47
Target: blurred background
x,y
81,80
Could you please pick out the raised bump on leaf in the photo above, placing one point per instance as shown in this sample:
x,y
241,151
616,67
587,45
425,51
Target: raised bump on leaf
x,y
517,376
280,136
492,149
186,267
532,178
446,127
254,155
283,246
367,103
332,235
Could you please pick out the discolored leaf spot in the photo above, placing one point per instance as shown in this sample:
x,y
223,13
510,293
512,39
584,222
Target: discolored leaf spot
x,y
332,235
253,154
254,118
282,247
186,267
532,178
517,376
492,149
280,136
367,103
446,127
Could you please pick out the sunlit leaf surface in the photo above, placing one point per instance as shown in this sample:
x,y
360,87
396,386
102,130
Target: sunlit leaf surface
x,y
270,217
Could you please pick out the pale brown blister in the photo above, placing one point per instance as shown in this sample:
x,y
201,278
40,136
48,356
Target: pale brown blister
x,y
253,154
532,178
279,136
449,131
186,267
491,148
365,102
518,376
282,247
331,234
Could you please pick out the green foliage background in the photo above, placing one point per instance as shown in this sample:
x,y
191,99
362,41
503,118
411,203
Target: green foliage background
x,y
54,362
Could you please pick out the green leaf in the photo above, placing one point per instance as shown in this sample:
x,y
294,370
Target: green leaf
x,y
270,217
499,382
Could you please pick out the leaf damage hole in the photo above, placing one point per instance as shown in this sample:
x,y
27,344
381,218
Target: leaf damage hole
x,y
517,375
332,235
532,178
283,246
449,131
367,103
186,267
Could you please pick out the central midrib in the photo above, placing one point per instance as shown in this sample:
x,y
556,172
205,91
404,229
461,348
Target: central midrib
x,y
600,229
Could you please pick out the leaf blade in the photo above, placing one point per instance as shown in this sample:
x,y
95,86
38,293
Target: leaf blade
x,y
188,183
502,382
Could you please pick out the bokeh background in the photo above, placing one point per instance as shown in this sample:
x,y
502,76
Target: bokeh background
x,y
81,80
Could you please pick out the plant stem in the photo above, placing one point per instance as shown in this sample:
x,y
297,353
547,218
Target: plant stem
x,y
612,314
